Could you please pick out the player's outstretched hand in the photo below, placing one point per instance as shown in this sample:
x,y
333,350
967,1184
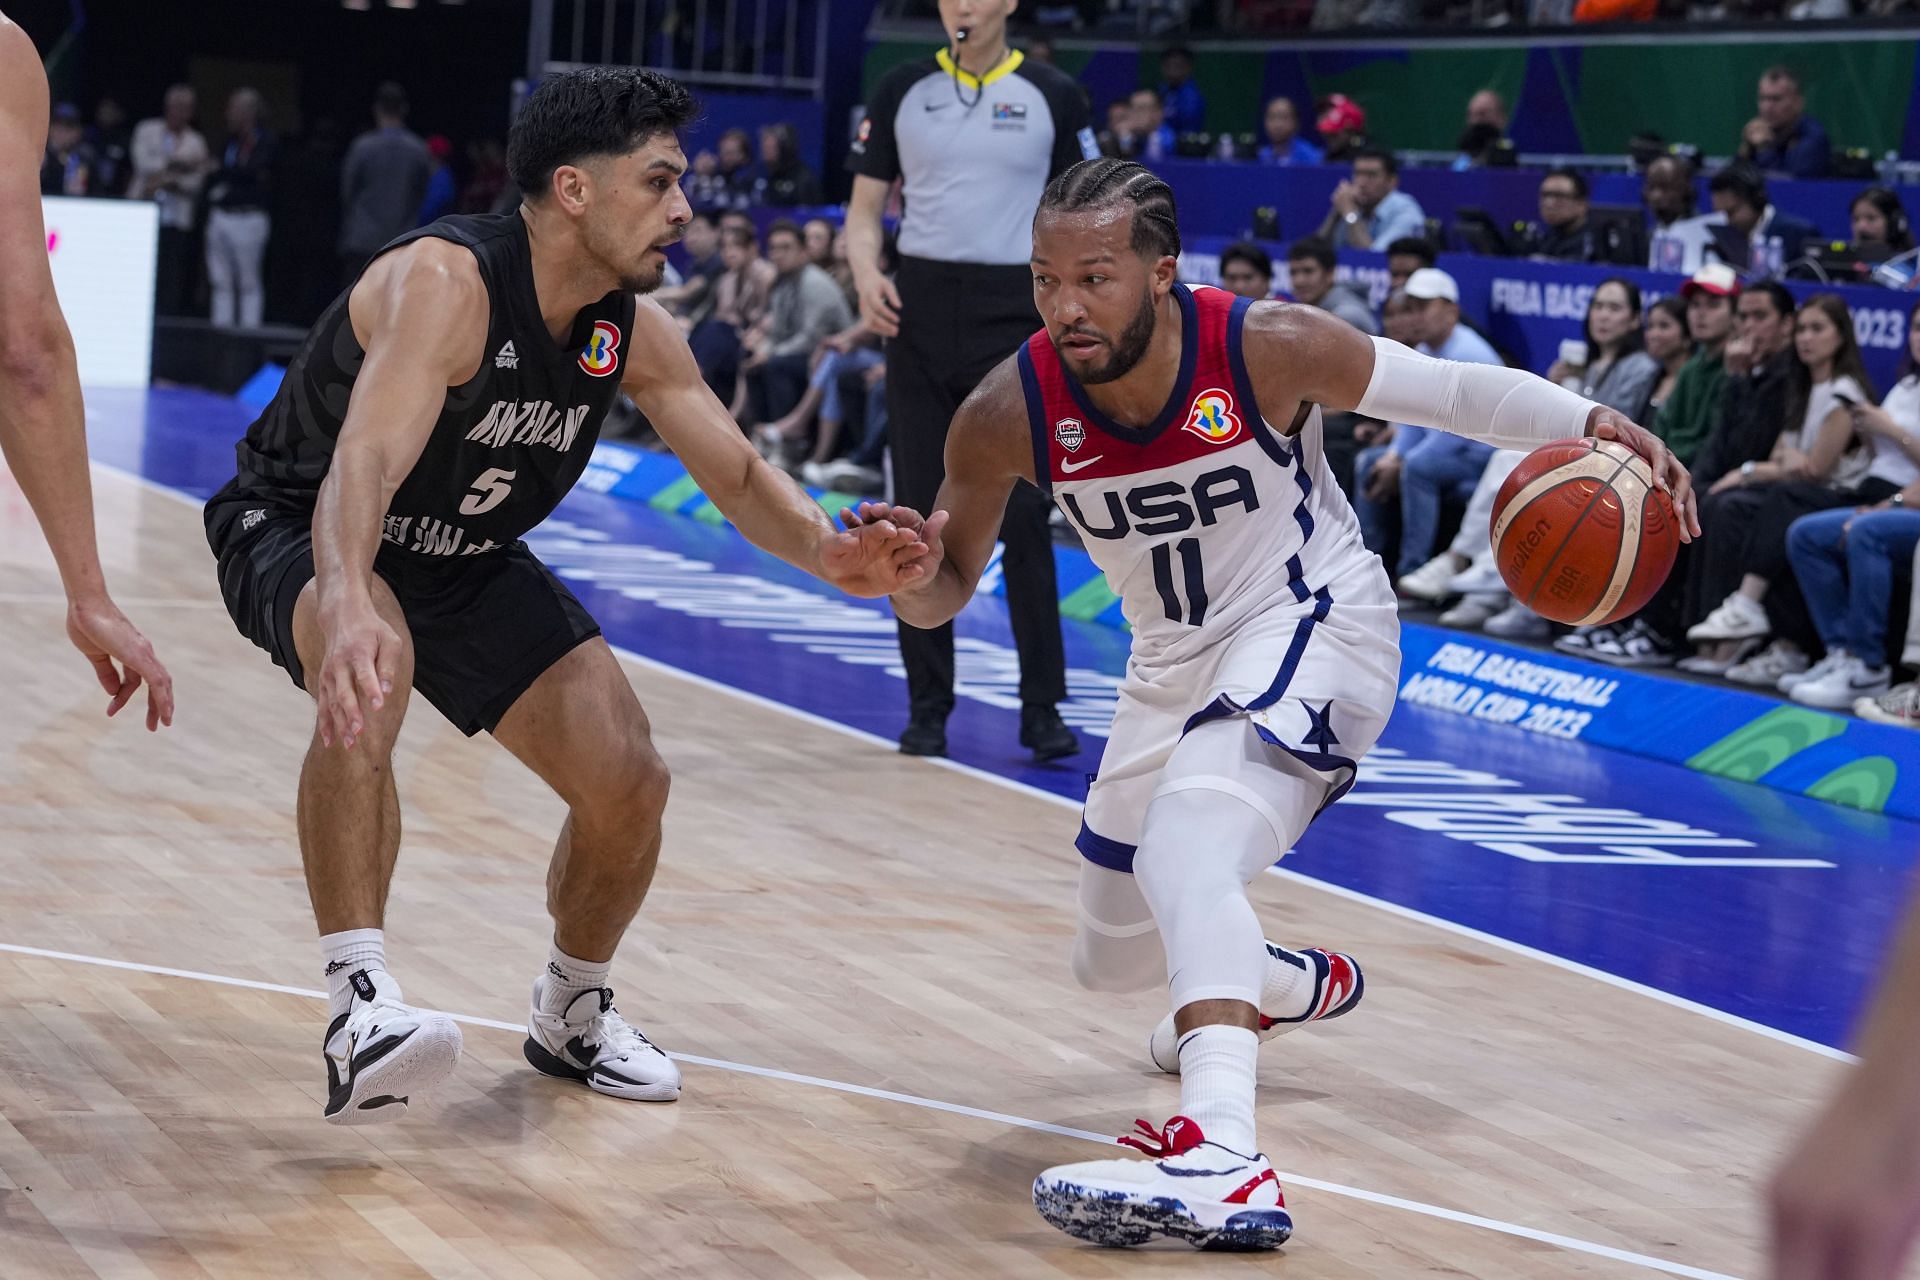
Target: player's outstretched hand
x,y
1846,1203
1668,471
104,636
882,550
362,656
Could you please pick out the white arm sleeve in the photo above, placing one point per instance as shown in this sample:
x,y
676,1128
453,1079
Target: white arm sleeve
x,y
1507,408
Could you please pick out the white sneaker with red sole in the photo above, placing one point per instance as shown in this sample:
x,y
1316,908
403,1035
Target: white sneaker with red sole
x,y
1338,985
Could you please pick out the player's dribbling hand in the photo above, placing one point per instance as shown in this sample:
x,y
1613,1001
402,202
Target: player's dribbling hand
x,y
1845,1205
356,675
880,553
1669,474
922,556
103,635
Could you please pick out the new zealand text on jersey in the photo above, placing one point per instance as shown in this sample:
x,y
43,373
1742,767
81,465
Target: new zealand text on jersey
x,y
529,422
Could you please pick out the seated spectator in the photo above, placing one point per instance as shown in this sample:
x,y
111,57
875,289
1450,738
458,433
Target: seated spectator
x,y
705,186
804,308
1759,364
1246,270
1281,126
1180,97
1342,126
1485,127
1677,236
1618,372
785,181
692,300
1782,138
1487,107
1117,138
1407,255
739,303
1670,345
852,356
1847,561
1152,136
735,159
1310,276
1880,219
1369,209
1477,144
1422,469
1814,466
67,164
1567,231
1772,238
1592,11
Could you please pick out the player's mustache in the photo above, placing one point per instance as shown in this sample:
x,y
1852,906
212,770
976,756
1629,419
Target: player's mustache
x,y
1078,332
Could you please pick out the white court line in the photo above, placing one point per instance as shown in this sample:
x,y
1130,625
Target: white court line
x,y
1353,895
1569,1243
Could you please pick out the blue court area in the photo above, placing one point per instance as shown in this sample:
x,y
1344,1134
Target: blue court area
x,y
1749,900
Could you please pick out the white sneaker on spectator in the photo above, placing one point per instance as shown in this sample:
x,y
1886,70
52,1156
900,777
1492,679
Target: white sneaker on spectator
x,y
1739,617
1481,577
1517,622
815,474
1898,706
1845,683
1704,665
850,477
1639,645
1580,641
1429,581
1817,671
1766,667
1474,611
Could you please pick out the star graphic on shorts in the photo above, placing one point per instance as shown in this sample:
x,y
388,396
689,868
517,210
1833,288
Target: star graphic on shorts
x,y
1320,734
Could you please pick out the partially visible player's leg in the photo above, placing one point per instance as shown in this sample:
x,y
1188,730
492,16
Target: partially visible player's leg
x,y
580,727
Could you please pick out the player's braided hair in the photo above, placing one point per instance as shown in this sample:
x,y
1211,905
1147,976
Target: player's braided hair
x,y
1094,184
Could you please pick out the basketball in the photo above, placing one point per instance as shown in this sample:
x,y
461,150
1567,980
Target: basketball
x,y
1581,534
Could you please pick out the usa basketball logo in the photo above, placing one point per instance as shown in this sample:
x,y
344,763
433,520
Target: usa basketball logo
x,y
597,357
1213,418
1070,434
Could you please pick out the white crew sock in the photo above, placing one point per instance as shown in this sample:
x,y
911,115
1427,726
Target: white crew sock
x,y
1287,991
346,953
567,978
1217,1082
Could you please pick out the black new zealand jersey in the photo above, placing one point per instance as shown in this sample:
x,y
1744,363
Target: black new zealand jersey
x,y
509,442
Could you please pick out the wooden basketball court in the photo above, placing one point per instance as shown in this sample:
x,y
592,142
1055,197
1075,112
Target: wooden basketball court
x,y
861,959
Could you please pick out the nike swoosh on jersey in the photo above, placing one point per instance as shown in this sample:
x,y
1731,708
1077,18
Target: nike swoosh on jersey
x,y
1068,468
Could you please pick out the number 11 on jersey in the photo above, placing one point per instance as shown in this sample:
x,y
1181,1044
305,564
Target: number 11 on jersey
x,y
1193,579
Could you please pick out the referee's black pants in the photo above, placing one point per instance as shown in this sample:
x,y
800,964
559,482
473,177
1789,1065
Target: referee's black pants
x,y
958,320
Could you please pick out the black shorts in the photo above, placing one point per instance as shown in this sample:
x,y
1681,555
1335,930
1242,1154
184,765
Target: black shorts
x,y
484,627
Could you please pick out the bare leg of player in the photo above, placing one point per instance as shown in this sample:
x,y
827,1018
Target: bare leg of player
x,y
380,1052
580,727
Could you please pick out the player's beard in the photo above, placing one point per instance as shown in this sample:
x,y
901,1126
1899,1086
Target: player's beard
x,y
1130,347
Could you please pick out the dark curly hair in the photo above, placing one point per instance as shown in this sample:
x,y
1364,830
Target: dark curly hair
x,y
598,111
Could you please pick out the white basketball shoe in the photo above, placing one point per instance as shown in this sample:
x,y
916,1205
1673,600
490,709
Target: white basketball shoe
x,y
382,1053
1337,987
590,1042
1190,1189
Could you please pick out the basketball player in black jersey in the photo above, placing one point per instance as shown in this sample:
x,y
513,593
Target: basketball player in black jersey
x,y
370,543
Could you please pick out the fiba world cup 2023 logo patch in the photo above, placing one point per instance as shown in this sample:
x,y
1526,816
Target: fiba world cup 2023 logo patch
x,y
597,356
1213,418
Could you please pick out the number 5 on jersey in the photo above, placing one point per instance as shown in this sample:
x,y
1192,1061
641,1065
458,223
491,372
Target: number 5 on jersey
x,y
1193,579
489,490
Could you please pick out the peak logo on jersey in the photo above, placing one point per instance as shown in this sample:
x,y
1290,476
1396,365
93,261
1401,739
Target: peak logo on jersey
x,y
597,357
1213,418
1070,434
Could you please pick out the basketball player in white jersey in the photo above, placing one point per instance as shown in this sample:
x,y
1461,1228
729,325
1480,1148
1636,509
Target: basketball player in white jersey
x,y
1180,431
42,422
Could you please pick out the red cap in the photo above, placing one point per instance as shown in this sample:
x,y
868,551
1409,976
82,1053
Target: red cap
x,y
1339,113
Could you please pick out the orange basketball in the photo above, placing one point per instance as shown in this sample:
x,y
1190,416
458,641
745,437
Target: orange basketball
x,y
1580,533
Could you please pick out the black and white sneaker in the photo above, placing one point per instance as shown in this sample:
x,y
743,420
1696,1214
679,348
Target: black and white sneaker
x,y
382,1053
1639,645
590,1042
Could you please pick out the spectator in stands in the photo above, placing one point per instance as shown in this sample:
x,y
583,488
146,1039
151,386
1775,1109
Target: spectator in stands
x,y
1771,237
1880,219
1670,344
1782,138
1485,126
1759,361
1846,561
804,308
1246,270
1284,145
1342,125
1568,233
486,175
1153,137
739,303
382,182
691,301
1477,144
1814,465
238,200
1369,209
112,145
818,234
1407,255
1677,237
170,161
1487,107
851,356
1424,468
1310,274
67,164
734,160
1117,138
442,188
1180,98
1040,49
1618,372
786,180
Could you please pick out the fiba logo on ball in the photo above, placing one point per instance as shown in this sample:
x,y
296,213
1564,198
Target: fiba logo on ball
x,y
1213,418
1070,434
597,357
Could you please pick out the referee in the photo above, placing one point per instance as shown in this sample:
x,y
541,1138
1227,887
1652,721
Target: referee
x,y
976,132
